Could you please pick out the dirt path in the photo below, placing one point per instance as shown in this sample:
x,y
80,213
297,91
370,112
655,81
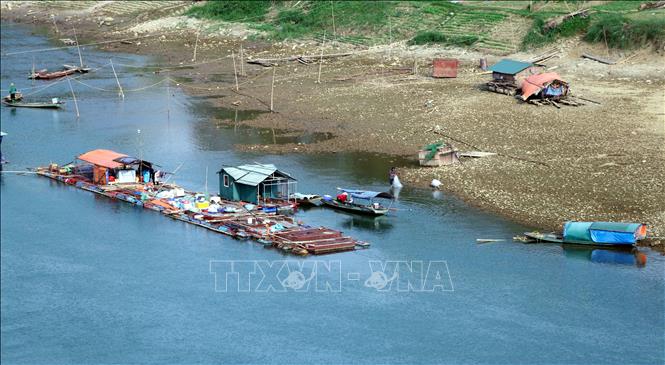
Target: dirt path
x,y
597,162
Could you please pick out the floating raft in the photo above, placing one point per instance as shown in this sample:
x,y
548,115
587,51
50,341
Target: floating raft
x,y
270,229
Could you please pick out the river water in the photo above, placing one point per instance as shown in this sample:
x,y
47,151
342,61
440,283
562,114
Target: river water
x,y
89,280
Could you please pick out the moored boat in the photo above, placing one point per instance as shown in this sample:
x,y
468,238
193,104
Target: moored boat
x,y
54,104
307,199
358,201
594,234
45,75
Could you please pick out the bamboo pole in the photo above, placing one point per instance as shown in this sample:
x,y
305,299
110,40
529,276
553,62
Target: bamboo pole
x,y
55,25
74,97
196,44
318,80
390,38
168,99
76,39
242,61
272,90
235,70
332,8
120,92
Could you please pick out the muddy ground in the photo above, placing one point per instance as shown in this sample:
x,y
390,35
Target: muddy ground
x,y
602,161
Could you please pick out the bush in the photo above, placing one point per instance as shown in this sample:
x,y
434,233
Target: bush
x,y
538,36
621,32
231,10
440,38
291,16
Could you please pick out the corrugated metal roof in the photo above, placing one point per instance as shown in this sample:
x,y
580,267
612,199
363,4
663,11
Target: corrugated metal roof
x,y
510,67
252,175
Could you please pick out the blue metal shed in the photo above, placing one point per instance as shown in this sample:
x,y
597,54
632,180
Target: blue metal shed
x,y
255,183
510,67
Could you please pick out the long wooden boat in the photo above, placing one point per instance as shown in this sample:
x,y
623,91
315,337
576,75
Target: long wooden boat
x,y
367,206
43,105
45,75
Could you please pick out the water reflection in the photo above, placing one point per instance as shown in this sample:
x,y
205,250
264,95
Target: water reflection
x,y
375,224
630,257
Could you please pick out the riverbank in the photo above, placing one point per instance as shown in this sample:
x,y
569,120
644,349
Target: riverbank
x,y
596,162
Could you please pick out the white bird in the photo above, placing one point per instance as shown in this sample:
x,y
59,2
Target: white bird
x,y
436,184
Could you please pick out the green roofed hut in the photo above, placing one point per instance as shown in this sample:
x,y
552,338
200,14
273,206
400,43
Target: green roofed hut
x,y
507,74
257,183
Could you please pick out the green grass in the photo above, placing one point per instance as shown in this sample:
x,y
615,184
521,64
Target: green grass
x,y
625,33
538,36
438,22
233,11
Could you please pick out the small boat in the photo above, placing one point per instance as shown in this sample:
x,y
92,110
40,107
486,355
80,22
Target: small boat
x,y
54,104
45,75
366,206
307,199
79,69
594,234
17,97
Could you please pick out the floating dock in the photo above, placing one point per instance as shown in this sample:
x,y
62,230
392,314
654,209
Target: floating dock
x,y
264,226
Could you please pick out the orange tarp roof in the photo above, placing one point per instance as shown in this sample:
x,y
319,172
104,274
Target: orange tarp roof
x,y
534,83
102,158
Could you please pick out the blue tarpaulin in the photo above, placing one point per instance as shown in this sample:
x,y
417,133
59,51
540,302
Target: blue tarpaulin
x,y
602,232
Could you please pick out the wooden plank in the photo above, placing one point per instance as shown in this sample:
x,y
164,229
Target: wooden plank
x,y
598,59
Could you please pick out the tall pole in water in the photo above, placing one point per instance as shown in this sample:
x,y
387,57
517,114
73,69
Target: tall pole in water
x,y
206,182
74,97
120,92
78,47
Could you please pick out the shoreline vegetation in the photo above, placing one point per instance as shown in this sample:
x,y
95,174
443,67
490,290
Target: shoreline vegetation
x,y
603,161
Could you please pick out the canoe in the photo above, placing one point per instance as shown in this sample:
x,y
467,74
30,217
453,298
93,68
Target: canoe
x,y
57,105
45,75
355,208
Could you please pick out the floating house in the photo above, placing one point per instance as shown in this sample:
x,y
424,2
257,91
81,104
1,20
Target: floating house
x,y
256,184
112,167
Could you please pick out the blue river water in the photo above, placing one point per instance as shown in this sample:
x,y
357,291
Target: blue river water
x,y
87,280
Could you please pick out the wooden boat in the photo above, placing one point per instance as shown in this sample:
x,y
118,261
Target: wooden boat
x,y
366,206
17,97
307,199
42,105
593,234
45,75
79,69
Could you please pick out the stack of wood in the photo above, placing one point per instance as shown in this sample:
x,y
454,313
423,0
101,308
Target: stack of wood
x,y
502,87
545,56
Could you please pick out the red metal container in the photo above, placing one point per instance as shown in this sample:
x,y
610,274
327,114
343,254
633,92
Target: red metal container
x,y
442,67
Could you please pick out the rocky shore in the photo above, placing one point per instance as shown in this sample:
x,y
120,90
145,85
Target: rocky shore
x,y
600,161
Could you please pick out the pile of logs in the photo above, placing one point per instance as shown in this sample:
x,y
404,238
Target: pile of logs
x,y
502,87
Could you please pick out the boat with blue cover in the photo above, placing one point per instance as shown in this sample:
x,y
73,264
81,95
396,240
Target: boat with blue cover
x,y
359,201
594,233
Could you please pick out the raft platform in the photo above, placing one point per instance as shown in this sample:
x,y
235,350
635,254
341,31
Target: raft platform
x,y
268,228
